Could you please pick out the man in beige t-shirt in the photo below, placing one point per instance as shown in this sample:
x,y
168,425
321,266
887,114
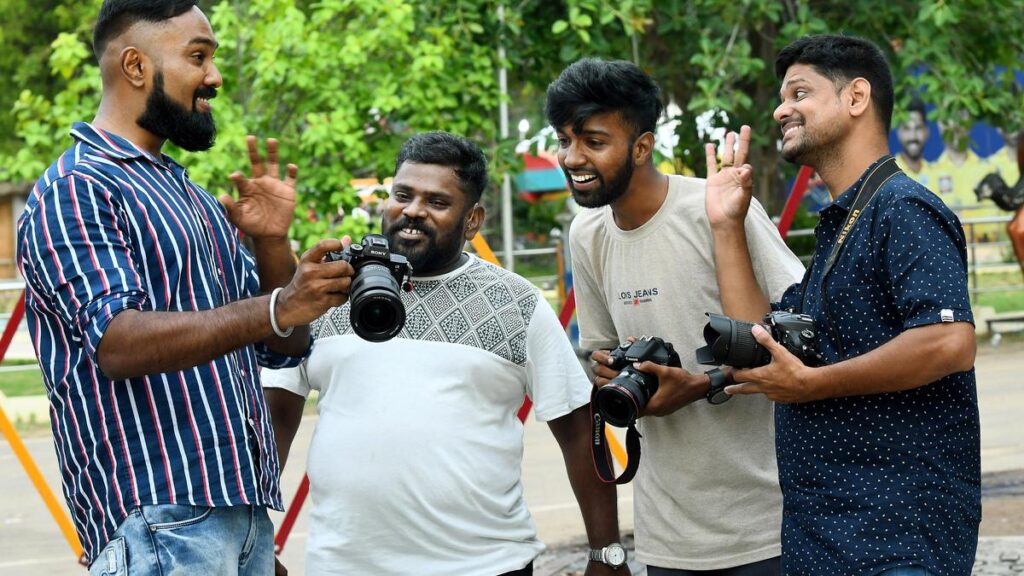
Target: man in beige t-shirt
x,y
706,494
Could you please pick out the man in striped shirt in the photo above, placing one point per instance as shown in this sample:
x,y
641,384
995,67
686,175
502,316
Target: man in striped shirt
x,y
150,319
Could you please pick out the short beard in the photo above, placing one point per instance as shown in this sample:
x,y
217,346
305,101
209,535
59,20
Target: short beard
x,y
432,254
165,118
610,191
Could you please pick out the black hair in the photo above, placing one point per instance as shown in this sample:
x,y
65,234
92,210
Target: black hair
x,y
455,152
917,105
842,59
116,16
591,86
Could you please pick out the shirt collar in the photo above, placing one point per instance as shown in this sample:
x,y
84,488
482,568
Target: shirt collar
x,y
116,146
845,200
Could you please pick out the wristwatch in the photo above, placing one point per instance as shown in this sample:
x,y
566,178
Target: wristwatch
x,y
716,394
613,555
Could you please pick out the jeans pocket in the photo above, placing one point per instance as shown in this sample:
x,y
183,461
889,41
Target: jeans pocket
x,y
111,561
162,517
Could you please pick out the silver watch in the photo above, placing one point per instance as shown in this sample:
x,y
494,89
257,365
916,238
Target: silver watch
x,y
613,555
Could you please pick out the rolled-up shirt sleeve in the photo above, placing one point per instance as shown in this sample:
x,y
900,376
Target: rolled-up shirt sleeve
x,y
925,258
79,259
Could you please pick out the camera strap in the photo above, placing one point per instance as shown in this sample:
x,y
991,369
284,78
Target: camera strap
x,y
881,174
602,456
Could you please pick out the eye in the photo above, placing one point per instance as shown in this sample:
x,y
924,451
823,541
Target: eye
x,y
438,203
800,93
399,195
199,57
563,142
595,143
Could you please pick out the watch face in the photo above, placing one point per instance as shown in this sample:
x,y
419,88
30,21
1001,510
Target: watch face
x,y
719,397
616,555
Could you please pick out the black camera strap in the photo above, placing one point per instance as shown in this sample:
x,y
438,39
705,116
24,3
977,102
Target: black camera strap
x,y
881,174
602,459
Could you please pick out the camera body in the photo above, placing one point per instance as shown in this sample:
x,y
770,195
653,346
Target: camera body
x,y
621,401
730,342
376,311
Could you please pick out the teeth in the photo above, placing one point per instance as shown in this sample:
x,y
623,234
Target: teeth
x,y
412,231
581,178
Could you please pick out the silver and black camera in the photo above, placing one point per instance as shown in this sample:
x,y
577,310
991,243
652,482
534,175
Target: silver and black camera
x,y
376,310
730,342
623,399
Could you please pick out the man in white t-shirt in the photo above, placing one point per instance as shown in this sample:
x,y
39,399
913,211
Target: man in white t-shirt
x,y
707,495
415,463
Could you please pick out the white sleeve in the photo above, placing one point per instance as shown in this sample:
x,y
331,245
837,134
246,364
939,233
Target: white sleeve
x,y
555,380
776,268
293,379
597,330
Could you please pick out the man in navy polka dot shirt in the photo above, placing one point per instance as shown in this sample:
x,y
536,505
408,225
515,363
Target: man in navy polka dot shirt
x,y
878,450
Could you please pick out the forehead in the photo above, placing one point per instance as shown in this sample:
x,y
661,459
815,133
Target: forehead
x,y
427,178
187,28
609,123
803,73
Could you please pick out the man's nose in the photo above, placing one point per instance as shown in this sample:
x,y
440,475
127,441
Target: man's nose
x,y
213,77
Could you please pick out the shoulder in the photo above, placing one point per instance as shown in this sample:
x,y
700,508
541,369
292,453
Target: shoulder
x,y
903,195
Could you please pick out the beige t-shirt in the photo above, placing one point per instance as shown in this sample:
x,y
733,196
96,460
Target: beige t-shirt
x,y
707,493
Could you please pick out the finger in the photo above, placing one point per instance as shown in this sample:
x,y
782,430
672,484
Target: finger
x,y
228,202
744,146
728,154
272,168
651,368
240,182
346,240
712,159
255,161
604,372
630,339
765,339
293,175
746,388
320,249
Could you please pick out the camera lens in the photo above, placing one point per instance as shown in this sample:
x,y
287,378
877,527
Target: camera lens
x,y
621,401
730,342
377,313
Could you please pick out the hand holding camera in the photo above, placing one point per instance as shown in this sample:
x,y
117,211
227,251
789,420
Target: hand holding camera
x,y
377,313
781,355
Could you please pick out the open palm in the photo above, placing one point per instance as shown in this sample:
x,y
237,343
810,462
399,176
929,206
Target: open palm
x,y
729,188
265,203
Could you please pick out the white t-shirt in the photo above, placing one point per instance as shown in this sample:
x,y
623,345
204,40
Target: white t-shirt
x,y
415,462
706,495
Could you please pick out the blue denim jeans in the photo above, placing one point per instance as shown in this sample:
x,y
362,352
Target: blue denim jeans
x,y
174,539
906,571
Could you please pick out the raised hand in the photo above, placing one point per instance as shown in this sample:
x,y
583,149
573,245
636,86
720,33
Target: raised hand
x,y
265,203
730,187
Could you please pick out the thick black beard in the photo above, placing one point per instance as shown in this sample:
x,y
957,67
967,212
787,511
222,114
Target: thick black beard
x,y
431,256
607,192
192,131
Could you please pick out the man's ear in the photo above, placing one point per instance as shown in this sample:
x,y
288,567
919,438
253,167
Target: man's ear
x,y
643,148
474,220
134,66
858,97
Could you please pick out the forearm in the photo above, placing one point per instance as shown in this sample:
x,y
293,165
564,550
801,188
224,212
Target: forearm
x,y
597,500
739,291
285,416
915,358
140,343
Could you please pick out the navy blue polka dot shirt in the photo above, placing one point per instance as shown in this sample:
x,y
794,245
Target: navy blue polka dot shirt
x,y
885,480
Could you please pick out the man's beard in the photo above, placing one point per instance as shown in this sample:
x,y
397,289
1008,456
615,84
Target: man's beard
x,y
606,192
812,150
191,130
430,254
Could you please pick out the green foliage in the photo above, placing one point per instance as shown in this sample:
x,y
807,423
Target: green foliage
x,y
342,83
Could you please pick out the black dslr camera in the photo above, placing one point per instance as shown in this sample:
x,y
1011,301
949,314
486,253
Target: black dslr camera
x,y
376,312
731,343
621,401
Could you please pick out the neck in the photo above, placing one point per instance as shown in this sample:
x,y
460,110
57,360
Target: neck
x,y
913,164
454,263
842,169
645,195
117,119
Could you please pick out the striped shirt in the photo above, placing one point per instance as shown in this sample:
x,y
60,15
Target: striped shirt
x,y
109,228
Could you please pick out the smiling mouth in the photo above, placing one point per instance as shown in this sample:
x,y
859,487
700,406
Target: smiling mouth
x,y
789,127
582,178
203,105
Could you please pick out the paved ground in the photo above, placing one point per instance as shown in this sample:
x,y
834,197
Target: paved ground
x,y
31,545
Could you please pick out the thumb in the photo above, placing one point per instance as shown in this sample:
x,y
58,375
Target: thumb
x,y
650,368
765,339
228,202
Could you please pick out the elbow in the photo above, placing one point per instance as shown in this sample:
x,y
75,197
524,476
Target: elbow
x,y
113,365
960,348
